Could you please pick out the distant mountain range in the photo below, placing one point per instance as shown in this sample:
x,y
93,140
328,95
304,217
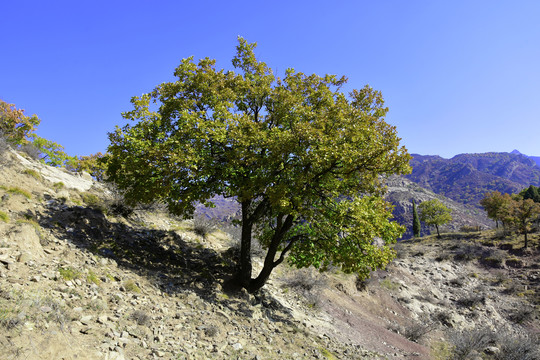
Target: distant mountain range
x,y
465,178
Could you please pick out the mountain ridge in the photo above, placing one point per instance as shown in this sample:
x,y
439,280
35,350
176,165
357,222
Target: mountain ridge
x,y
465,178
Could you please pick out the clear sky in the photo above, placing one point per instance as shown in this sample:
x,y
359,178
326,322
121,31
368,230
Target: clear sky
x,y
460,76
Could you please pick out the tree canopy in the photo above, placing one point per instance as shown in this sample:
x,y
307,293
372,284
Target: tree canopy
x,y
497,206
305,162
433,212
517,211
19,130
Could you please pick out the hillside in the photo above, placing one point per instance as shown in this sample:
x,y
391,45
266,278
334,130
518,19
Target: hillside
x,y
402,191
536,159
465,178
82,276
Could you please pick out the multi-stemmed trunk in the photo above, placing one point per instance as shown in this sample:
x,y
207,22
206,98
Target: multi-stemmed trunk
x,y
245,268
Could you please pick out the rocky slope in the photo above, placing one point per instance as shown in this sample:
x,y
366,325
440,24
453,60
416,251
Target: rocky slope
x,y
401,193
81,276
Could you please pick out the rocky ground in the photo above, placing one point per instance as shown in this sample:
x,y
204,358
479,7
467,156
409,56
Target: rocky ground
x,y
84,277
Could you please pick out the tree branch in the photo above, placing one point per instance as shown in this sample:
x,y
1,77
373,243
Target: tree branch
x,y
287,249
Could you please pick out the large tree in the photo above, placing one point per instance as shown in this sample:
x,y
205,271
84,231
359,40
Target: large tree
x,y
433,212
305,162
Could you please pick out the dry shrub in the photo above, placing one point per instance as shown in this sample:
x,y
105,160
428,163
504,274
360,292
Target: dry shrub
x,y
203,226
140,317
468,341
518,347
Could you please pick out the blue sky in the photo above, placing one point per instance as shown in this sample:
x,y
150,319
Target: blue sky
x,y
458,76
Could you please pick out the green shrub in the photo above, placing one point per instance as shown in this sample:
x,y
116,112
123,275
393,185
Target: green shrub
x,y
93,201
131,286
92,277
18,191
32,173
59,185
69,273
389,284
4,217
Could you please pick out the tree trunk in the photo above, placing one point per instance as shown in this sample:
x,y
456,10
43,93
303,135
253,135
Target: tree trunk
x,y
526,238
269,262
438,234
245,268
269,265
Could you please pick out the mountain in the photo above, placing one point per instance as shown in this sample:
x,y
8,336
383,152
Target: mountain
x,y
465,178
536,159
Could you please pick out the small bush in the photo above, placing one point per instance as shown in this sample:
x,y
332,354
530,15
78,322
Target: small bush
x,y
93,278
140,317
93,201
464,257
31,151
58,186
518,348
511,287
472,301
304,279
4,217
468,341
522,315
69,273
32,173
470,228
514,263
417,331
211,331
202,226
457,282
493,262
441,351
389,284
444,318
18,191
131,286
120,208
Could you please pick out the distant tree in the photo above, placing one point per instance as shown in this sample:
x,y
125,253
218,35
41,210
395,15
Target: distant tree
x,y
14,125
303,160
524,212
497,206
531,192
433,212
416,221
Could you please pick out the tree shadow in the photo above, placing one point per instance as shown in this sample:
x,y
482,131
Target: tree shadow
x,y
164,257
